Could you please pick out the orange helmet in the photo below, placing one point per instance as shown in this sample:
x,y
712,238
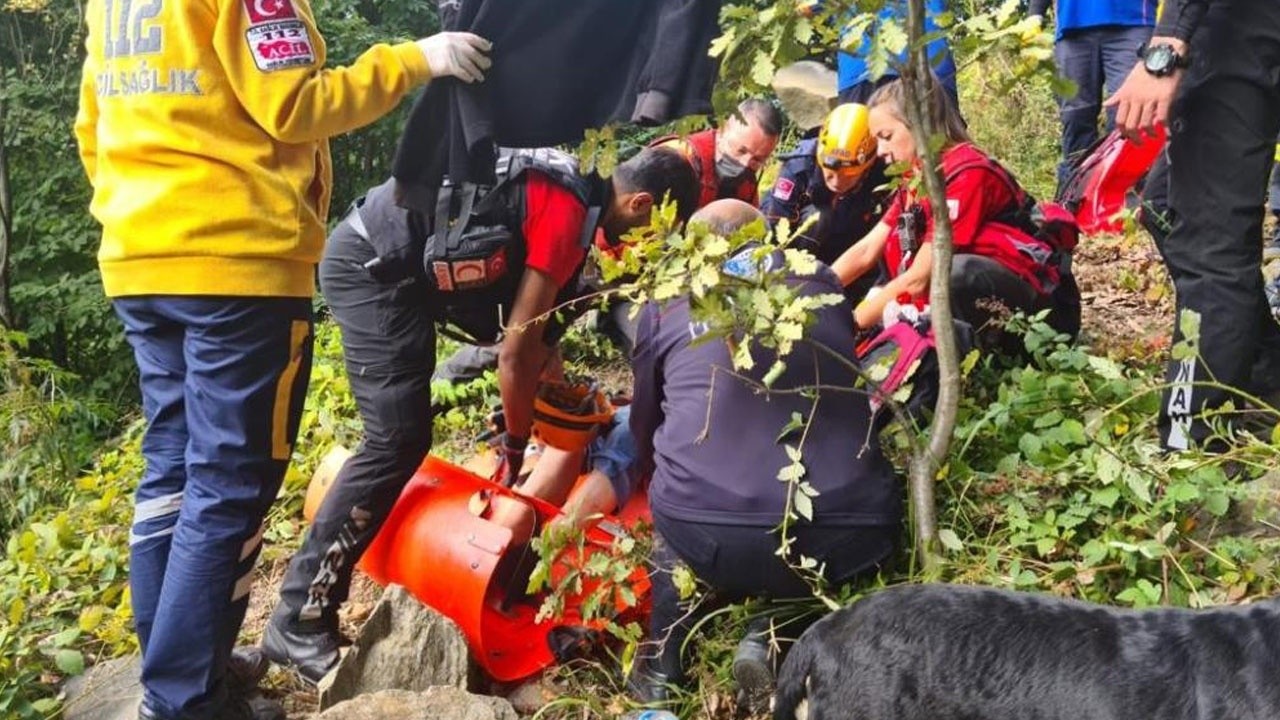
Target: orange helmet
x,y
569,416
845,143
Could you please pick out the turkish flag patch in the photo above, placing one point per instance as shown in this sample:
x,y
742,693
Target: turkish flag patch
x,y
783,188
264,11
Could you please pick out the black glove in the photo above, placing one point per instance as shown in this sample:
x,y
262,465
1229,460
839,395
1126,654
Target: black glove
x,y
511,460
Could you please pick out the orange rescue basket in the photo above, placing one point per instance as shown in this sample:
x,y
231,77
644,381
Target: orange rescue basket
x,y
436,546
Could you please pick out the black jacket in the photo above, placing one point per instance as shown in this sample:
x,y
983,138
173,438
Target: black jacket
x,y
559,68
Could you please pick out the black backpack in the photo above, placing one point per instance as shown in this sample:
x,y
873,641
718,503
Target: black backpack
x,y
474,257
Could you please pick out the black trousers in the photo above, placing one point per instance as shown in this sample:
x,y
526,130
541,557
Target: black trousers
x,y
388,343
738,562
982,290
1220,151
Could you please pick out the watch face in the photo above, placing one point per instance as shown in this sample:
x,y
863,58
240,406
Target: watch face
x,y
1159,60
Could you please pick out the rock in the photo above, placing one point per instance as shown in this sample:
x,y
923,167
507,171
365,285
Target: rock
x,y
404,645
110,690
1258,513
531,696
807,92
436,703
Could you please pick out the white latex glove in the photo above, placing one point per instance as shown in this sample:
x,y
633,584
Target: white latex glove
x,y
460,54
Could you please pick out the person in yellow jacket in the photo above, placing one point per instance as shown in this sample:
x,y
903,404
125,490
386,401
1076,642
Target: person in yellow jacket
x,y
203,127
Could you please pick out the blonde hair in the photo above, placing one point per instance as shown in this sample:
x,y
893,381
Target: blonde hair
x,y
941,110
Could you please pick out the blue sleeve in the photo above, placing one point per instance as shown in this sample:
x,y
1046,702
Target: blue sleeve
x,y
614,454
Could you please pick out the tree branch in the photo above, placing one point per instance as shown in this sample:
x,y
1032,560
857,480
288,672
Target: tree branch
x,y
918,81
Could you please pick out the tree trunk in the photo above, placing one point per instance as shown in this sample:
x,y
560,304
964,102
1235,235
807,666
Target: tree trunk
x,y
925,463
6,220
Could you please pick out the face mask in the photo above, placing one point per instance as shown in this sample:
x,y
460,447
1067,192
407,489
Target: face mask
x,y
729,169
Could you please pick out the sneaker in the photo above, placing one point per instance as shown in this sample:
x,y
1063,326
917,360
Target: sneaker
x,y
753,669
312,655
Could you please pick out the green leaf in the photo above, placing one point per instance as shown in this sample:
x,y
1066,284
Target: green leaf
x,y
1030,445
70,662
1107,496
1217,503
65,638
791,473
794,424
803,31
892,36
685,581
950,540
1140,484
1049,419
1109,468
1189,324
721,44
1182,492
804,506
762,69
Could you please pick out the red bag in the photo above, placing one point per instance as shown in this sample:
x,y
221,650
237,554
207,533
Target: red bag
x,y
1098,186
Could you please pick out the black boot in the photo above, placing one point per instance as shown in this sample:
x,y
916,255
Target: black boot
x,y
246,668
650,686
311,653
753,665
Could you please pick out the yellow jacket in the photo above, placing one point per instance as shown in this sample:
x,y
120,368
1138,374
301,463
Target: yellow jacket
x,y
203,127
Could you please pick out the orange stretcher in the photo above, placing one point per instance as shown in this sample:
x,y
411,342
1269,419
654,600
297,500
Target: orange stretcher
x,y
447,555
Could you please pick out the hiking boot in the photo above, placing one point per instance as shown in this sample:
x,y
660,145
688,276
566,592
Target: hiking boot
x,y
234,708
753,669
311,654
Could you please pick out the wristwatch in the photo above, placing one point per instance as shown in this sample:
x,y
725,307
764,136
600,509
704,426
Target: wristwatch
x,y
1161,59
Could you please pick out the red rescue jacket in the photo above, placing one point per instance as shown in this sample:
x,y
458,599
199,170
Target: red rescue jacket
x,y
983,203
700,149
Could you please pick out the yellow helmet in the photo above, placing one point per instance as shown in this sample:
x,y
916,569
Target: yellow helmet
x,y
845,143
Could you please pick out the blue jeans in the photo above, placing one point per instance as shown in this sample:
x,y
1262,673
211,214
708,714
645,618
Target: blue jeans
x,y
223,381
1097,60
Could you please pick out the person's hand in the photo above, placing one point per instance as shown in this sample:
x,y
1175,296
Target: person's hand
x,y
511,459
460,54
1143,101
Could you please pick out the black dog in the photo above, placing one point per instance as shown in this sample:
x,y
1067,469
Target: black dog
x,y
950,652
